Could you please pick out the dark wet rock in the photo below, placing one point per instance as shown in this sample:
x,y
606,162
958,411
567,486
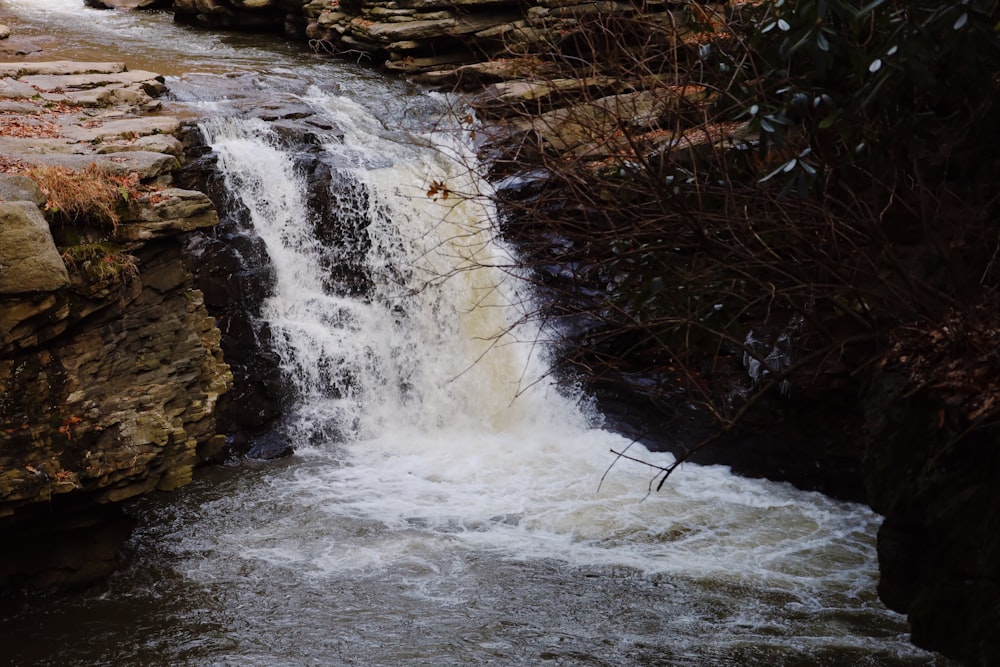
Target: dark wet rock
x,y
250,15
231,267
233,270
270,111
939,547
813,440
63,548
269,446
340,215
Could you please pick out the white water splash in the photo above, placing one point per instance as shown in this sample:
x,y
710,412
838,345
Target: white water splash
x,y
445,428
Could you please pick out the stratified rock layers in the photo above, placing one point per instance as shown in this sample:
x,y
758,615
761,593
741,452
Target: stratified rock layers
x,y
110,366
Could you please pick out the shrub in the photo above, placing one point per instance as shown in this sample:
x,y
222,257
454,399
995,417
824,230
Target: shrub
x,y
820,170
101,263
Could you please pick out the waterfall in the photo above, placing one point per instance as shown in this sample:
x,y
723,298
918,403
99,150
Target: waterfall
x,y
436,341
422,399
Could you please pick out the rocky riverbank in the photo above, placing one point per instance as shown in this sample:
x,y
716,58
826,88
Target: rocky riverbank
x,y
110,367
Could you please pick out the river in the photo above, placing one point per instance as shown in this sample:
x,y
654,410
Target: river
x,y
445,503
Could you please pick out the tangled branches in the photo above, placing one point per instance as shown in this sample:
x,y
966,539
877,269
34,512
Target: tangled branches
x,y
731,206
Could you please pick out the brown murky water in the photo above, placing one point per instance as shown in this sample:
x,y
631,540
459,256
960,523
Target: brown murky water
x,y
67,30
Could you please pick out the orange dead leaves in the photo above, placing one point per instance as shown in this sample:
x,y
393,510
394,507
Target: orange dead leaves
x,y
438,189
29,127
35,125
67,427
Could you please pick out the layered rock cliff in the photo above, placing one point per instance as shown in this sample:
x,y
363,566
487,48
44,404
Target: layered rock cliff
x,y
110,366
418,36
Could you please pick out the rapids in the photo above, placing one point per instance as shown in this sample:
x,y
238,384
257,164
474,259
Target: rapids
x,y
445,505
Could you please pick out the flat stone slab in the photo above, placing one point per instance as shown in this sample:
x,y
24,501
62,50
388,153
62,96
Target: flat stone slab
x,y
20,46
168,212
18,106
147,164
52,82
157,143
30,147
12,89
73,114
123,128
58,67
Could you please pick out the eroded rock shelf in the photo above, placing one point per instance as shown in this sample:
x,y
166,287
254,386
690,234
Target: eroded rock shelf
x,y
110,366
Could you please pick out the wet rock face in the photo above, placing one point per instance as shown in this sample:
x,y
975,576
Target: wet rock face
x,y
939,547
254,15
232,269
119,403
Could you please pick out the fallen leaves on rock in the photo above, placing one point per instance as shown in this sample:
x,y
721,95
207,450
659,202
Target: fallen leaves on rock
x,y
28,127
38,125
958,361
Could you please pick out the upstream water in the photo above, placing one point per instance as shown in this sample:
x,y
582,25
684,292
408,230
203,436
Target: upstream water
x,y
445,505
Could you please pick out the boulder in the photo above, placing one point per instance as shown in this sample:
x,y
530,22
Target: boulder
x,y
15,187
29,260
935,480
257,15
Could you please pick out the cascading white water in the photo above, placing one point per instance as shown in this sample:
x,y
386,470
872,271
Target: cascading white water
x,y
453,444
429,347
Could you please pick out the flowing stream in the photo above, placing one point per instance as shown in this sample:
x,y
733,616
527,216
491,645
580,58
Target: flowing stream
x,y
445,504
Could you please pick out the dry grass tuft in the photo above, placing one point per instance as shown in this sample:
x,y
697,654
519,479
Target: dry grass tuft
x,y
94,194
